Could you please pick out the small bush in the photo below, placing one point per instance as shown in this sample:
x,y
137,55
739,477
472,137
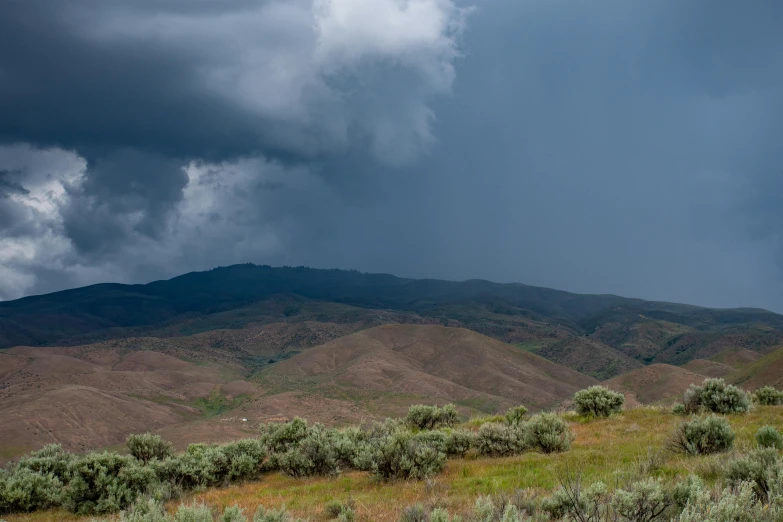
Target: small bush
x,y
459,442
598,401
279,438
643,501
702,436
233,514
106,482
145,510
716,396
769,437
24,490
193,513
51,459
498,440
514,416
431,417
272,515
768,396
763,468
678,408
314,454
402,455
739,504
549,433
147,446
572,502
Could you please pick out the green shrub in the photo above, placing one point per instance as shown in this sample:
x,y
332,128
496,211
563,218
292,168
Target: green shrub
x,y
763,468
314,454
344,511
51,459
402,455
459,442
702,436
548,432
204,465
768,396
514,416
643,501
678,408
24,490
279,438
572,502
716,396
598,401
106,482
147,446
145,510
193,513
732,505
431,417
498,440
233,514
769,437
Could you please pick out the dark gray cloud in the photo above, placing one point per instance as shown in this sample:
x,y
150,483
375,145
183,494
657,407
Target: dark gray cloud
x,y
624,147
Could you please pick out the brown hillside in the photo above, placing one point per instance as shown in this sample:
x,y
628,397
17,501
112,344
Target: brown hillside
x,y
641,338
589,356
708,368
704,345
654,383
450,364
767,371
736,357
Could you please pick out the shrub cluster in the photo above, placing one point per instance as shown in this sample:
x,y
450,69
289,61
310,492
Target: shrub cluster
x,y
598,401
147,447
769,437
545,432
150,510
702,436
768,396
716,396
432,417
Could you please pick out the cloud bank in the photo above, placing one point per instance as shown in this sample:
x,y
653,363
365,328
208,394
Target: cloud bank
x,y
620,147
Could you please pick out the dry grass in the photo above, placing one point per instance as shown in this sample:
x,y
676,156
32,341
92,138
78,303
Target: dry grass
x,y
613,450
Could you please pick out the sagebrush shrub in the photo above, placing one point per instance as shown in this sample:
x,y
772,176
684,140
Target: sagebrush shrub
x,y
769,437
572,502
279,438
415,513
459,442
737,504
193,513
678,408
598,401
402,455
642,501
314,454
147,446
145,510
272,515
498,440
548,432
233,514
431,417
702,436
51,459
515,415
716,396
106,482
768,396
763,468
23,490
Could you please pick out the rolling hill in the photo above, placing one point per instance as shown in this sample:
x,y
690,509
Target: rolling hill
x,y
654,383
588,356
432,363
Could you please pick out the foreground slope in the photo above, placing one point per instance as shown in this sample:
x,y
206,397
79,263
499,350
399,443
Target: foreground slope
x,y
430,362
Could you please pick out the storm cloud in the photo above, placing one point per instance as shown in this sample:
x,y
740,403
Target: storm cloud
x,y
623,147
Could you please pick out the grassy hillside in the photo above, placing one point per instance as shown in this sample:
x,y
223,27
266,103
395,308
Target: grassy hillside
x,y
588,356
616,450
767,371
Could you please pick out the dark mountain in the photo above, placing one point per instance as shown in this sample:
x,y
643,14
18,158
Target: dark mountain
x,y
51,318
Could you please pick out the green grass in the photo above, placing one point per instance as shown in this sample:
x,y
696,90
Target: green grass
x,y
611,449
535,346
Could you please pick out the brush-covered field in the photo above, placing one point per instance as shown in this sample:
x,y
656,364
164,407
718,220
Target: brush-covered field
x,y
619,450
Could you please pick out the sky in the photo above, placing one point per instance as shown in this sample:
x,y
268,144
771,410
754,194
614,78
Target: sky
x,y
598,146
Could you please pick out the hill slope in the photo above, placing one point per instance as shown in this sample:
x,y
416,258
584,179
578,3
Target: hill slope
x,y
767,371
588,356
428,362
654,383
49,318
